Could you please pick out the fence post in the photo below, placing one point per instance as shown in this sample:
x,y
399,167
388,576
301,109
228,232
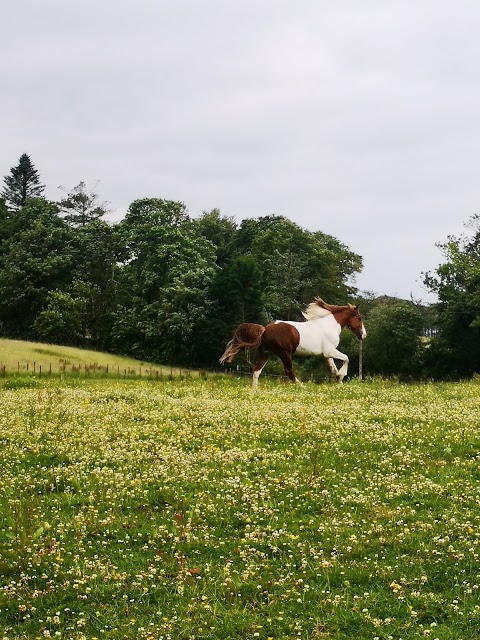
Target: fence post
x,y
360,361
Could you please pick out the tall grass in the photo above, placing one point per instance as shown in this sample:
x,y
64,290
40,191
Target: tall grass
x,y
197,509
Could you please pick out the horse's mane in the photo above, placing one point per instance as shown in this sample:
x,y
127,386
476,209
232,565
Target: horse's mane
x,y
319,309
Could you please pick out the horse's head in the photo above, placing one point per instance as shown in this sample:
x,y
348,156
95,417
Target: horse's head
x,y
355,323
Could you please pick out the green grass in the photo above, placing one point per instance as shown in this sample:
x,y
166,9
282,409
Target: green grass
x,y
197,509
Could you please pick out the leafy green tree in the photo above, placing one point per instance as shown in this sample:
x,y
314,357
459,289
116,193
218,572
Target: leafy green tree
x,y
22,183
96,247
4,224
237,290
295,264
62,321
394,342
81,206
4,215
163,283
236,297
37,257
457,285
220,230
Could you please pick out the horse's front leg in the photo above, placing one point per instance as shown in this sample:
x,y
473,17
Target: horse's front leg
x,y
338,355
332,366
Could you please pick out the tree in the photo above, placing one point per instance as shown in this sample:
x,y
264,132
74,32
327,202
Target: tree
x,y
236,297
4,224
295,264
457,285
22,183
62,321
163,283
393,346
37,258
220,230
81,206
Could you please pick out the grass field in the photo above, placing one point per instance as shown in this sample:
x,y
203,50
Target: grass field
x,y
197,509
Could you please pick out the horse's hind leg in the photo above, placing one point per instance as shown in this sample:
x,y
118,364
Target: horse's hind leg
x,y
286,358
260,362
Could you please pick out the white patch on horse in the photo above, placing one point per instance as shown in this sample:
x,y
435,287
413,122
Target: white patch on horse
x,y
317,337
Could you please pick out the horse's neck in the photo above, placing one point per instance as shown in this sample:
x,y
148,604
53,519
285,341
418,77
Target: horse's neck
x,y
341,316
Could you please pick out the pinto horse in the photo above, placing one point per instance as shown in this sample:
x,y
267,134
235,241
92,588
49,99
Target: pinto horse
x,y
319,334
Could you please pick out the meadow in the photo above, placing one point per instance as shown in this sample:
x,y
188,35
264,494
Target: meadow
x,y
196,509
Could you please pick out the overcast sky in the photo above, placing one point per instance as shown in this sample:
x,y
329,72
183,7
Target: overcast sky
x,y
359,119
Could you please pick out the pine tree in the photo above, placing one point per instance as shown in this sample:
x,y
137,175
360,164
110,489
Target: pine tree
x,y
80,207
22,183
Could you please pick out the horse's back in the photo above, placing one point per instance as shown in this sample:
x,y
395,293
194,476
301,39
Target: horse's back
x,y
280,337
316,337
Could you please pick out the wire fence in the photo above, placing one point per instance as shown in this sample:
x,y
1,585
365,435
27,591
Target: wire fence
x,y
62,369
67,369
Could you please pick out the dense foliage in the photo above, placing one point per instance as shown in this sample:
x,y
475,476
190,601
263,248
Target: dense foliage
x,y
456,348
159,285
164,286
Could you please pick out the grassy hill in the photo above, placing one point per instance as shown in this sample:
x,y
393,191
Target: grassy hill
x,y
20,357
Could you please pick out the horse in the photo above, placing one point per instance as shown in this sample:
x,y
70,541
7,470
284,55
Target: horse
x,y
318,334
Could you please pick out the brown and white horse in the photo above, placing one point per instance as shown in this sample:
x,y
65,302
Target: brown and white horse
x,y
319,334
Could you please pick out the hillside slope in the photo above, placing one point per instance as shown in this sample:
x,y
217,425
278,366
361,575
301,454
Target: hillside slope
x,y
20,355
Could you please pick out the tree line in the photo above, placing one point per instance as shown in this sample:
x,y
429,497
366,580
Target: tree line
x,y
165,287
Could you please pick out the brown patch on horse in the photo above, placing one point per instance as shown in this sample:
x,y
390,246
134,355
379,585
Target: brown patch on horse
x,y
247,336
280,337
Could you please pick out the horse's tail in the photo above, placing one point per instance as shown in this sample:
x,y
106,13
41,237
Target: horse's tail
x,y
246,336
